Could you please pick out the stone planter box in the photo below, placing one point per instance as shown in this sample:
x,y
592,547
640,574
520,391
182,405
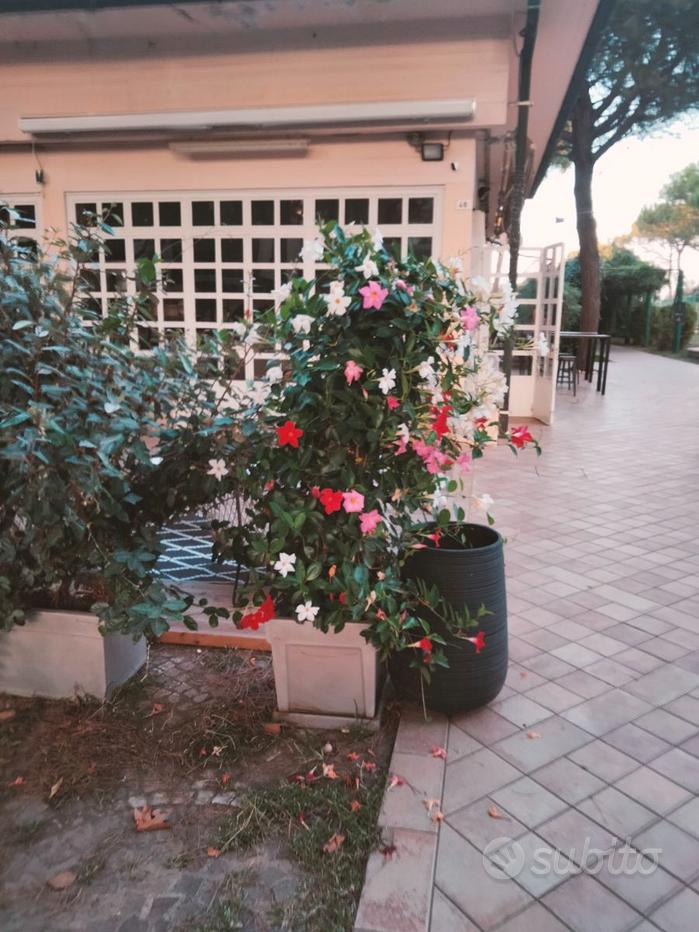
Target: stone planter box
x,y
332,678
57,654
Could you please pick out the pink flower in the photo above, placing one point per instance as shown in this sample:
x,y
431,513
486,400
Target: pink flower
x,y
352,500
369,521
352,371
421,448
374,295
470,318
392,402
463,461
400,445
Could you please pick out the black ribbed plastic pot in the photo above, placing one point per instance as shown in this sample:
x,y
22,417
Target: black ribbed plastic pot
x,y
465,576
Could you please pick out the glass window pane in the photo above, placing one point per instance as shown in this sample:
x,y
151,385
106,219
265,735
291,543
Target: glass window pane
x,y
263,250
91,279
171,250
357,210
291,212
263,305
231,250
27,220
205,310
420,246
231,213
233,367
290,249
143,248
205,279
142,214
113,214
260,368
172,279
263,213
204,250
147,338
233,309
116,281
203,213
327,208
392,245
263,280
173,308
420,210
232,280
115,250
82,212
390,210
170,213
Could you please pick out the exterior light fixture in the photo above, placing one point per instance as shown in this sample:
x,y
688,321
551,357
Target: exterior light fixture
x,y
432,151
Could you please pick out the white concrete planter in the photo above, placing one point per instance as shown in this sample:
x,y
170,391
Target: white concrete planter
x,y
318,674
56,654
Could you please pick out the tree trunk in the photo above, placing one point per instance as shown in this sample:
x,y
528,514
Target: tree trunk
x,y
582,157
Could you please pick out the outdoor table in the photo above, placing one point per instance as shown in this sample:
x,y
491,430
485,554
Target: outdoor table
x,y
604,340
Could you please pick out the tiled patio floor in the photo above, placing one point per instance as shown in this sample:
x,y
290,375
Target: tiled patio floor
x,y
595,739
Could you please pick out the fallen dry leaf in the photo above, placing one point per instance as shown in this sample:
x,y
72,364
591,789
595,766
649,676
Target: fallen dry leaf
x,y
329,771
7,714
395,781
431,804
437,815
56,787
213,852
355,805
495,813
62,881
369,765
533,734
272,728
333,843
156,710
253,661
388,851
439,752
18,781
216,750
149,820
225,779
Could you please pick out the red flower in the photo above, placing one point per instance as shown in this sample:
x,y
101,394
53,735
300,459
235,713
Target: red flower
x,y
435,538
392,402
342,598
330,500
268,608
315,491
425,646
481,423
439,425
521,436
262,614
289,433
478,641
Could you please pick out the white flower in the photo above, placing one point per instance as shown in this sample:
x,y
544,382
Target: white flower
x,y
403,432
337,303
484,501
306,612
312,251
368,268
156,460
302,323
388,381
218,469
259,392
480,287
282,293
275,374
377,239
455,266
239,330
285,564
337,285
426,371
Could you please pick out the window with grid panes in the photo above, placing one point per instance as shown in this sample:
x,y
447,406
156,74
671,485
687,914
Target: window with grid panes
x,y
25,229
222,254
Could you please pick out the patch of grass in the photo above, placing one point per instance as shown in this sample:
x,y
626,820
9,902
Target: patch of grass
x,y
180,861
307,816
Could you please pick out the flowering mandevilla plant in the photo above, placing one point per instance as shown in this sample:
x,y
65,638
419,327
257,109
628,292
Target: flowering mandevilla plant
x,y
389,390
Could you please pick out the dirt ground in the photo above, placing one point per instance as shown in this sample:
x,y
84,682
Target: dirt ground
x,y
250,807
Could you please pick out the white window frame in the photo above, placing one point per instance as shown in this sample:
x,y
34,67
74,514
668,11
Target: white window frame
x,y
13,200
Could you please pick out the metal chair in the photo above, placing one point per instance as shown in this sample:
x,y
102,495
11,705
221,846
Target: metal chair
x,y
568,371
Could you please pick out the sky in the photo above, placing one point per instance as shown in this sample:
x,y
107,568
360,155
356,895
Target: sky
x,y
628,177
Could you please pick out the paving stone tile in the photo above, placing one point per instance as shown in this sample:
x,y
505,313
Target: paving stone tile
x,y
538,867
557,737
554,697
653,790
691,745
617,812
677,852
687,817
667,726
461,876
651,624
578,838
583,684
521,711
397,891
402,806
519,650
572,902
629,634
603,644
474,776
548,667
446,917
484,725
639,660
687,707
478,827
534,919
664,649
521,679
606,712
680,914
572,630
604,761
636,742
545,639
617,612
576,655
528,801
459,743
567,780
679,766
690,662
664,684
611,671
638,881
416,735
